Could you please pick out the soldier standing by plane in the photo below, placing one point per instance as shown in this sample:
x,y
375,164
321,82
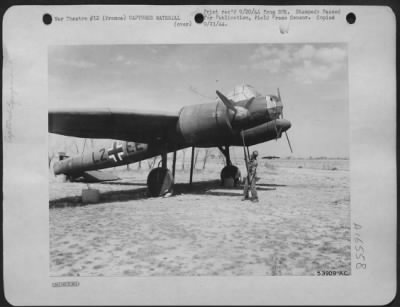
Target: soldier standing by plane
x,y
251,176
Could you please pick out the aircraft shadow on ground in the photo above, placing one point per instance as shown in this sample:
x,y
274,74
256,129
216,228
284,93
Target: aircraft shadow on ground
x,y
270,185
123,183
105,197
209,187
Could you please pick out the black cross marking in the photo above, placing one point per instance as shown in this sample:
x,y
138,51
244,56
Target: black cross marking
x,y
116,152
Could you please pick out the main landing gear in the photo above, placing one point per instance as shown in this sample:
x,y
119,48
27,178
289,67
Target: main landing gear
x,y
230,173
160,180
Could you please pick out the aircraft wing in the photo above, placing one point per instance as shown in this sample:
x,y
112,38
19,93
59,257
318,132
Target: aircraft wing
x,y
108,123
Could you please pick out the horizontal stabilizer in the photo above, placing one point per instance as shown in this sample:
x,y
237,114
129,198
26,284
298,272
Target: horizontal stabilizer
x,y
96,176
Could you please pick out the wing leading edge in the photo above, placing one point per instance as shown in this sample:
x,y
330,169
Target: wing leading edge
x,y
130,125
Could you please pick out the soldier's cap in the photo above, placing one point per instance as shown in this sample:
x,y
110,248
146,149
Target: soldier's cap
x,y
255,153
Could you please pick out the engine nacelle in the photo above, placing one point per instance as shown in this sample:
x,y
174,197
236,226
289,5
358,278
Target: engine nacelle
x,y
262,133
204,124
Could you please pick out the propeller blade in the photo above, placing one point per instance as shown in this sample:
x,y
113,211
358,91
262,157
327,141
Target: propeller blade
x,y
287,137
226,102
248,103
280,99
290,146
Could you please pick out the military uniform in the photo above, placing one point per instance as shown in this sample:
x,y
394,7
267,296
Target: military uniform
x,y
252,167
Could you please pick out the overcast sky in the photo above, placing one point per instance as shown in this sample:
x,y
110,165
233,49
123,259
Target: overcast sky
x,y
312,79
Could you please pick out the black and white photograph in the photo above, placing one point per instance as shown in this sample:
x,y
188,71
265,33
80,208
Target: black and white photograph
x,y
187,160
199,155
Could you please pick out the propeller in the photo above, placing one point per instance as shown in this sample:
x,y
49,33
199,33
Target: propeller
x,y
279,97
239,113
287,137
227,102
290,146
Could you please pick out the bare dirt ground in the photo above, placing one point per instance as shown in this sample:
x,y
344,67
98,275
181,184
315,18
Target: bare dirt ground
x,y
300,226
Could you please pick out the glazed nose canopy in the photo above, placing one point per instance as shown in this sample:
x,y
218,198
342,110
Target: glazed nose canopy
x,y
274,106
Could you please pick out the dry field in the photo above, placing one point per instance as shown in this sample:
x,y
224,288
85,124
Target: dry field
x,y
300,226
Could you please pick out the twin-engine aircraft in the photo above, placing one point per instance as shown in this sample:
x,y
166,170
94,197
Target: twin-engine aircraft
x,y
242,118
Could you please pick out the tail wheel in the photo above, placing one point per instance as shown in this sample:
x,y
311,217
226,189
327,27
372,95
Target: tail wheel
x,y
230,172
160,182
62,178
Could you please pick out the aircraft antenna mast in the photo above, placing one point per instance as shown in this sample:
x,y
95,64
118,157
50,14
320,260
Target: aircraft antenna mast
x,y
193,90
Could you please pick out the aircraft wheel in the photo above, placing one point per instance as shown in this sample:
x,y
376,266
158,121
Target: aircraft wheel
x,y
160,182
230,172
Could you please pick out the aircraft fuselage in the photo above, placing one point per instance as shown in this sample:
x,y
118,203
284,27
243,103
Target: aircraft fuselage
x,y
125,152
228,122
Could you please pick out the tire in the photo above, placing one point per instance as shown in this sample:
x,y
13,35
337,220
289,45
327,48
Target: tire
x,y
231,171
160,182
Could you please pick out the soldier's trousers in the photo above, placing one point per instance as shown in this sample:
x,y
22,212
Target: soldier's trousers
x,y
252,189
